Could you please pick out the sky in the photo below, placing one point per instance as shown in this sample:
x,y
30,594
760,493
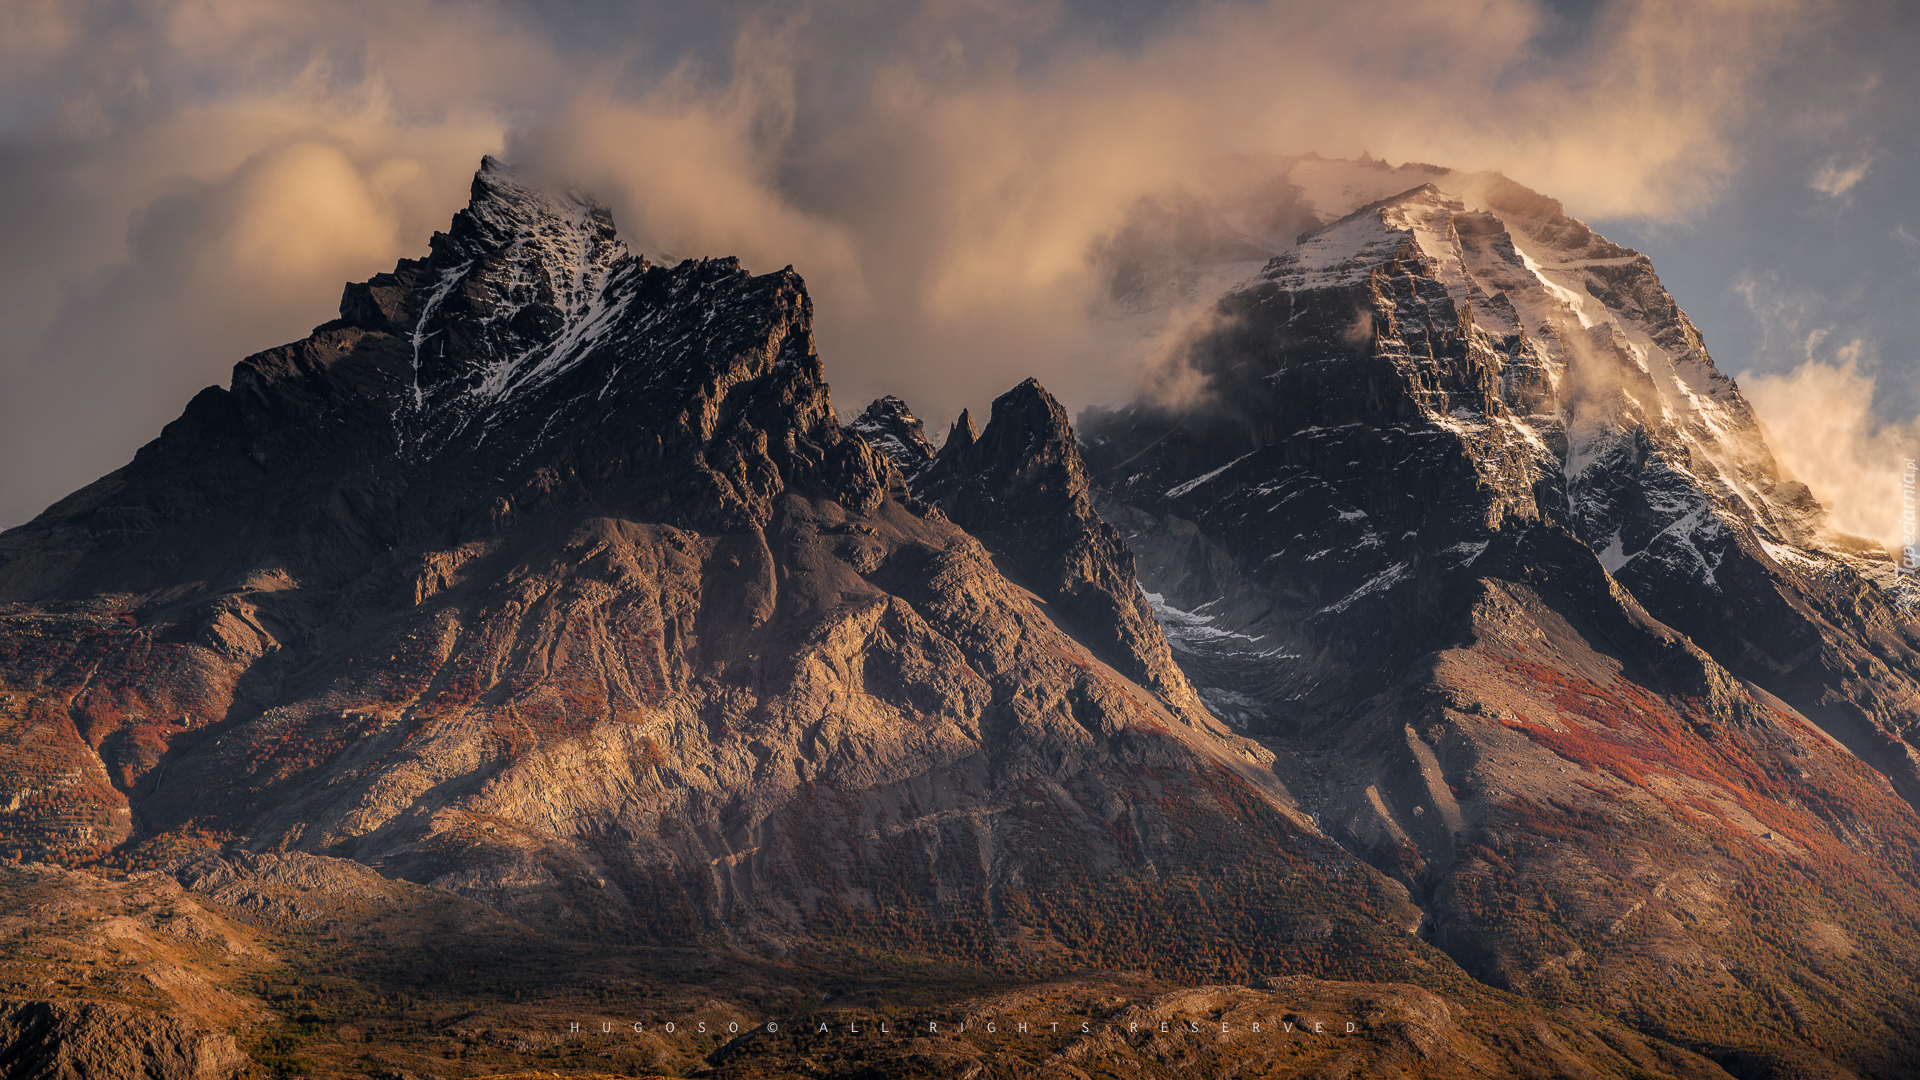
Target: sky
x,y
184,182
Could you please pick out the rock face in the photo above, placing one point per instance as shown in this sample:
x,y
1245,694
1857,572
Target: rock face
x,y
1021,487
70,1040
1460,355
891,428
1469,530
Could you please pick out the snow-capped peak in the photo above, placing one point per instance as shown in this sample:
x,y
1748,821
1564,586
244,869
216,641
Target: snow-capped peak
x,y
538,244
891,428
526,278
1348,249
1592,355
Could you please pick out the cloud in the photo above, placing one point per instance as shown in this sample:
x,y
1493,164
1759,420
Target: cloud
x,y
693,169
1823,412
1821,425
199,182
942,191
1835,179
194,179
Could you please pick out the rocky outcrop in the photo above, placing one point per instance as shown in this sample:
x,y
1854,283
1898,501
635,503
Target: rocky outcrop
x,y
128,976
891,428
1021,487
77,1040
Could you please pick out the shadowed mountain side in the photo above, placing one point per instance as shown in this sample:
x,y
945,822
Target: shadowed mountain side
x,y
1021,487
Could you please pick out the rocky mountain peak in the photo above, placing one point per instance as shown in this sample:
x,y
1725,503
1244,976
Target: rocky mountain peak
x,y
1465,331
1021,486
501,376
542,532
891,428
963,433
1349,249
535,244
556,232
517,290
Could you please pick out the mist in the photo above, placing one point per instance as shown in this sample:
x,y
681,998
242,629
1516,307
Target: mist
x,y
1820,423
190,182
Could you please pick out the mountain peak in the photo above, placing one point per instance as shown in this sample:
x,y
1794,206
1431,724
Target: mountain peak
x,y
1022,487
963,434
508,207
891,428
519,244
519,288
1541,374
507,370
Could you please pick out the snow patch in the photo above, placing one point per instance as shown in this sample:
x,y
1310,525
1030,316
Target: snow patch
x,y
449,279
1381,582
1187,630
1181,489
1468,551
1614,555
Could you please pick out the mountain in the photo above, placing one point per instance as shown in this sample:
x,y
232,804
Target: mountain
x,y
1466,526
891,428
531,646
545,577
546,569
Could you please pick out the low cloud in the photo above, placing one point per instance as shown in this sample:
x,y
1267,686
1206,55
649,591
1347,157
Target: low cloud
x,y
1820,410
1821,424
944,190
